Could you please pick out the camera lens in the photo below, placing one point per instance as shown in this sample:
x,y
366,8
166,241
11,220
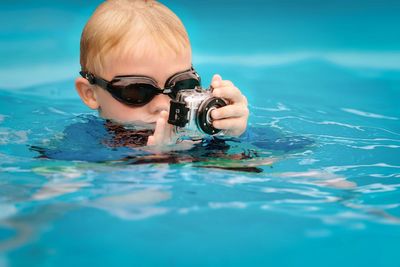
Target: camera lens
x,y
208,118
204,121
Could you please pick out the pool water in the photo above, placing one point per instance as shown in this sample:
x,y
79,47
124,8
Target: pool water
x,y
323,83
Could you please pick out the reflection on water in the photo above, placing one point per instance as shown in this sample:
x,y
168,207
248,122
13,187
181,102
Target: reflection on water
x,y
135,205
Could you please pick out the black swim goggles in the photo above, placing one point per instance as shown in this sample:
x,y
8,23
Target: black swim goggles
x,y
139,90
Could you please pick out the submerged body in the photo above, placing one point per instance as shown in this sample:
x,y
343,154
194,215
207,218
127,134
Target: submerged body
x,y
97,140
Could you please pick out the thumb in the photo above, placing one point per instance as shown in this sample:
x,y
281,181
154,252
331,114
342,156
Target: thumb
x,y
215,81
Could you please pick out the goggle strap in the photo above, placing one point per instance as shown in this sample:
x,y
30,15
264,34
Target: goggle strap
x,y
167,91
94,80
88,76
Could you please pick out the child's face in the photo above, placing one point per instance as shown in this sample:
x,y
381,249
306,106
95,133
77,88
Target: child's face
x,y
159,67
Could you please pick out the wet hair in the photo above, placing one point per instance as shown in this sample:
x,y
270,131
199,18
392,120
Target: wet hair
x,y
120,27
122,137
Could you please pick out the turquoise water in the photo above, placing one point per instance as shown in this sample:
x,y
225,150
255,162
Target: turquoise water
x,y
323,83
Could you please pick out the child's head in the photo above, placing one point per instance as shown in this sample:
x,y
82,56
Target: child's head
x,y
131,37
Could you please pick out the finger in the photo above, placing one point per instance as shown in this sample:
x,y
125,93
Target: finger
x,y
221,83
216,78
225,124
165,130
235,126
168,127
230,111
150,141
231,93
159,132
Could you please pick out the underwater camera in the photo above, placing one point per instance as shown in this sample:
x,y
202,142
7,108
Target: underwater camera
x,y
190,113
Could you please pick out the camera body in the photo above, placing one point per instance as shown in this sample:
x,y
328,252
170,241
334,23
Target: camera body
x,y
190,113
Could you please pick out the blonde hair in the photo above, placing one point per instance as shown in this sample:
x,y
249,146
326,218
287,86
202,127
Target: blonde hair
x,y
123,26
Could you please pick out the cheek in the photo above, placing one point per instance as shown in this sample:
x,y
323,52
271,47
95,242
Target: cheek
x,y
110,108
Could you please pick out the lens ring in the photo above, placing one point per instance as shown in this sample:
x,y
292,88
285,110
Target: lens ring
x,y
204,120
208,115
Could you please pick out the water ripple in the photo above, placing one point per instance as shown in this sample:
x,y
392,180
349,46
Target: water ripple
x,y
368,114
371,147
9,136
347,167
377,188
279,107
234,205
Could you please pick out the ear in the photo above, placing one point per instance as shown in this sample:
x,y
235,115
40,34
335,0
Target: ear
x,y
86,92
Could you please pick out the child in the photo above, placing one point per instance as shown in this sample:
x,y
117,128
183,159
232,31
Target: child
x,y
140,47
130,50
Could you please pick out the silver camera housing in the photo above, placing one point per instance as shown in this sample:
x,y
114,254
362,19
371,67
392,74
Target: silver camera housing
x,y
190,113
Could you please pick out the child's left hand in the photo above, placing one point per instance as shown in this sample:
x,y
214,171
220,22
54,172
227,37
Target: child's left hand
x,y
233,117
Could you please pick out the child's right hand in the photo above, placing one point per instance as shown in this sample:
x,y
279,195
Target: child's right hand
x,y
163,133
163,137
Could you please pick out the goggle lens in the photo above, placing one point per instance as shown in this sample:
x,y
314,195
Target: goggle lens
x,y
184,84
135,94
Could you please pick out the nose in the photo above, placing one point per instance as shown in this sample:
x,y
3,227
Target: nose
x,y
159,103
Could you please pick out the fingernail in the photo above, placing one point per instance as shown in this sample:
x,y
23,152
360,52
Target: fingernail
x,y
217,77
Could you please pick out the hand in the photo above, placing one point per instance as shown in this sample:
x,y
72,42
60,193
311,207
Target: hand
x,y
163,138
233,117
163,133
